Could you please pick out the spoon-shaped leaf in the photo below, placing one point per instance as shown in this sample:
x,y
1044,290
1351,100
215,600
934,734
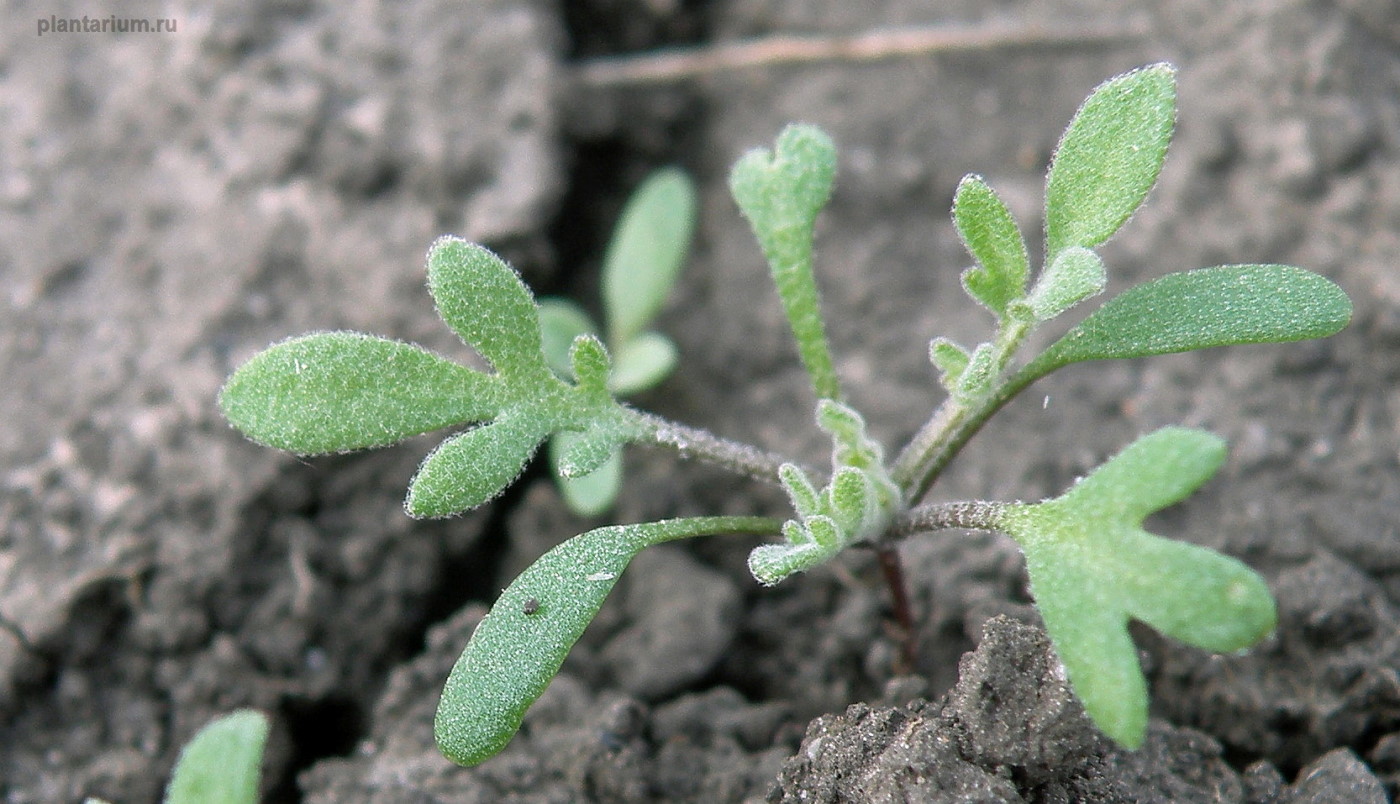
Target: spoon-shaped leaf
x,y
1220,306
647,251
1092,567
781,192
341,391
472,468
1109,158
484,301
221,765
520,646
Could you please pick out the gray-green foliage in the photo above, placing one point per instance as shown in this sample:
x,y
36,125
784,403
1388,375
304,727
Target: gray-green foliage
x,y
1092,566
780,192
336,391
855,506
520,645
642,263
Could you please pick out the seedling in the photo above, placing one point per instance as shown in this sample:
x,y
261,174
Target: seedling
x,y
221,764
642,263
1091,565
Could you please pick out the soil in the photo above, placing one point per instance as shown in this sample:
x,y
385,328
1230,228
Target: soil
x,y
175,202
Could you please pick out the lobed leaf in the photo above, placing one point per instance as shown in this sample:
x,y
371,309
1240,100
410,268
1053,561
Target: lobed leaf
x,y
1200,309
785,188
519,647
647,251
851,445
341,391
993,239
222,763
950,359
472,468
485,302
1109,158
780,193
1091,639
1092,567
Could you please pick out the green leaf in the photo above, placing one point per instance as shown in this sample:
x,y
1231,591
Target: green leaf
x,y
560,322
976,378
950,359
1109,158
647,251
1075,275
485,302
472,468
221,765
1090,636
780,193
642,363
993,239
1159,469
1092,567
590,365
589,494
805,498
851,499
581,453
770,564
851,445
341,391
1200,309
521,644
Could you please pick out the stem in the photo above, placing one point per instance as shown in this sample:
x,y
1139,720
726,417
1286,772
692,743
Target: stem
x,y
911,465
690,527
693,442
971,515
893,570
954,422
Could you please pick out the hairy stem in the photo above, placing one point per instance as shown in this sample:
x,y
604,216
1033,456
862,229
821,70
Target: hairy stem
x,y
911,466
954,422
972,515
693,442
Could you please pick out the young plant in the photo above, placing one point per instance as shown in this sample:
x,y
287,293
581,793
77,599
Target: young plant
x,y
221,764
1091,565
641,265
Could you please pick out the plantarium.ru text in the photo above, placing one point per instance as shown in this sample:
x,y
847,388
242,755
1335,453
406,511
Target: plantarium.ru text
x,y
1092,567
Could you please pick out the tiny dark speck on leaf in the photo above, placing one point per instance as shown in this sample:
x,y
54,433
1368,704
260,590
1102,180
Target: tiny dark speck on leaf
x,y
531,606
